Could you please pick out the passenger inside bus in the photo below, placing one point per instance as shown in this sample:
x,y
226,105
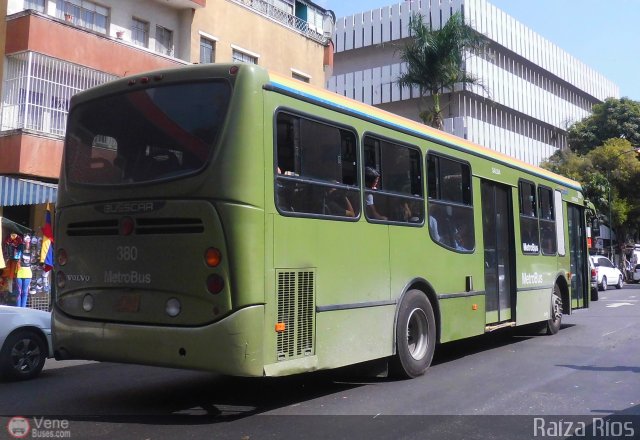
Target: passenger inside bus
x,y
337,203
371,180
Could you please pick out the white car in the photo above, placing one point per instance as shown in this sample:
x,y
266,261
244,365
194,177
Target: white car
x,y
607,273
25,342
635,275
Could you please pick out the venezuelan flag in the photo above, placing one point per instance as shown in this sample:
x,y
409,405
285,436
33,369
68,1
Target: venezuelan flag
x,y
46,252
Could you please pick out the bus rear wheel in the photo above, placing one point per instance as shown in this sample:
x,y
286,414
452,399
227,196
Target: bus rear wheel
x,y
553,324
415,335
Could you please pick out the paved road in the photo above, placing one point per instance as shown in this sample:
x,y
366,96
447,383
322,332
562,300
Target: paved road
x,y
588,373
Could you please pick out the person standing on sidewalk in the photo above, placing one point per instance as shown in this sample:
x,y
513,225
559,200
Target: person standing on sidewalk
x,y
24,274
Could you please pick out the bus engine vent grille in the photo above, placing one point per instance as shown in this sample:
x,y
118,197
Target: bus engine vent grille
x,y
162,225
296,305
93,228
143,226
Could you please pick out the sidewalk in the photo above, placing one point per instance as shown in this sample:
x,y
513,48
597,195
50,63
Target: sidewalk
x,y
52,364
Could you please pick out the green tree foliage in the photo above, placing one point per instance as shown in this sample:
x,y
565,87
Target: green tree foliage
x,y
611,166
435,61
618,161
614,118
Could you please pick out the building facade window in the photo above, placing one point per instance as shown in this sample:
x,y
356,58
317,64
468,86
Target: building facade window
x,y
285,5
36,5
300,77
242,57
85,14
140,32
164,40
207,51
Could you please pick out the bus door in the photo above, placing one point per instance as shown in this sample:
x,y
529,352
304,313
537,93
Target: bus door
x,y
578,257
499,261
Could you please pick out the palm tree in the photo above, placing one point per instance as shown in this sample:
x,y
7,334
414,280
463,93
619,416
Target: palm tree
x,y
435,61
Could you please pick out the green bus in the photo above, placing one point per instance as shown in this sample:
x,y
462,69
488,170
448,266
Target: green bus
x,y
228,219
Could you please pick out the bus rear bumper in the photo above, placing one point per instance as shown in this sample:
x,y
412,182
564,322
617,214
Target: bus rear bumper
x,y
231,346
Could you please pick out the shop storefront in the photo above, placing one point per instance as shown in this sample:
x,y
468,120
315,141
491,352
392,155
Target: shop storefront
x,y
26,209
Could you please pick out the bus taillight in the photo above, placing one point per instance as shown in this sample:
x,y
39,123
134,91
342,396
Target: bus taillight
x,y
215,283
61,279
62,257
212,257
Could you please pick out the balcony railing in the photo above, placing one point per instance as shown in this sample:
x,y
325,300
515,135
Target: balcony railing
x,y
37,90
291,21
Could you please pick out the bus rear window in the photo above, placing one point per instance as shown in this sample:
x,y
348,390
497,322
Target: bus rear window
x,y
145,135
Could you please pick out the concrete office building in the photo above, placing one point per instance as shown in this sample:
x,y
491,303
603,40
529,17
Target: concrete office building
x,y
535,90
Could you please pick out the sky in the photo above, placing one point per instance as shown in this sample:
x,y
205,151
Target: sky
x,y
605,35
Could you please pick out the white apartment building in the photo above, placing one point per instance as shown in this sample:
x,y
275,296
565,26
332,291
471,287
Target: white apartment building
x,y
534,89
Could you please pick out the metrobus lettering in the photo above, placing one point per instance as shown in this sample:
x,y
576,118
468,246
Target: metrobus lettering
x,y
530,247
133,277
531,278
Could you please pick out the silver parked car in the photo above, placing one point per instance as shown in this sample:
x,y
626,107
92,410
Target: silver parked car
x,y
607,274
25,342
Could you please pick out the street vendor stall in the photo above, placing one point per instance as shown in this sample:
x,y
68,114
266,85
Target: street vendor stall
x,y
21,269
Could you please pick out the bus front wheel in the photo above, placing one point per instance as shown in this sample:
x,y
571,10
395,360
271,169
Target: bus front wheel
x,y
415,335
553,324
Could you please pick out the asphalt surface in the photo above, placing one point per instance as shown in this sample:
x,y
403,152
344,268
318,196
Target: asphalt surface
x,y
503,385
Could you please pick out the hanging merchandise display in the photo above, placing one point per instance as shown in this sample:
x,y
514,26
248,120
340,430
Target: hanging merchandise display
x,y
24,280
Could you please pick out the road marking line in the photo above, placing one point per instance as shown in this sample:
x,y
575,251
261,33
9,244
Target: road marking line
x,y
620,304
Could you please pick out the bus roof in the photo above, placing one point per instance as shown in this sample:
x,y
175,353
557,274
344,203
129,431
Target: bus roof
x,y
374,114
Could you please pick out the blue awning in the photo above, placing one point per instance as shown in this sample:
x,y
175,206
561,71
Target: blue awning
x,y
14,191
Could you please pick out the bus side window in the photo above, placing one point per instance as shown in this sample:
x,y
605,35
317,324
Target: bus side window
x,y
397,195
451,221
548,239
315,168
529,228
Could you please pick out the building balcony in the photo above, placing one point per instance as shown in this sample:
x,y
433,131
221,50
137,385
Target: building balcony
x,y
66,40
183,4
312,30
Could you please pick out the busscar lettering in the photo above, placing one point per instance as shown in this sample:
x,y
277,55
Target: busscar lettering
x,y
128,207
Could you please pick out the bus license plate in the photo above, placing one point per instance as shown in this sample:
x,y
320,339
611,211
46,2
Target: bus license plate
x,y
128,303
